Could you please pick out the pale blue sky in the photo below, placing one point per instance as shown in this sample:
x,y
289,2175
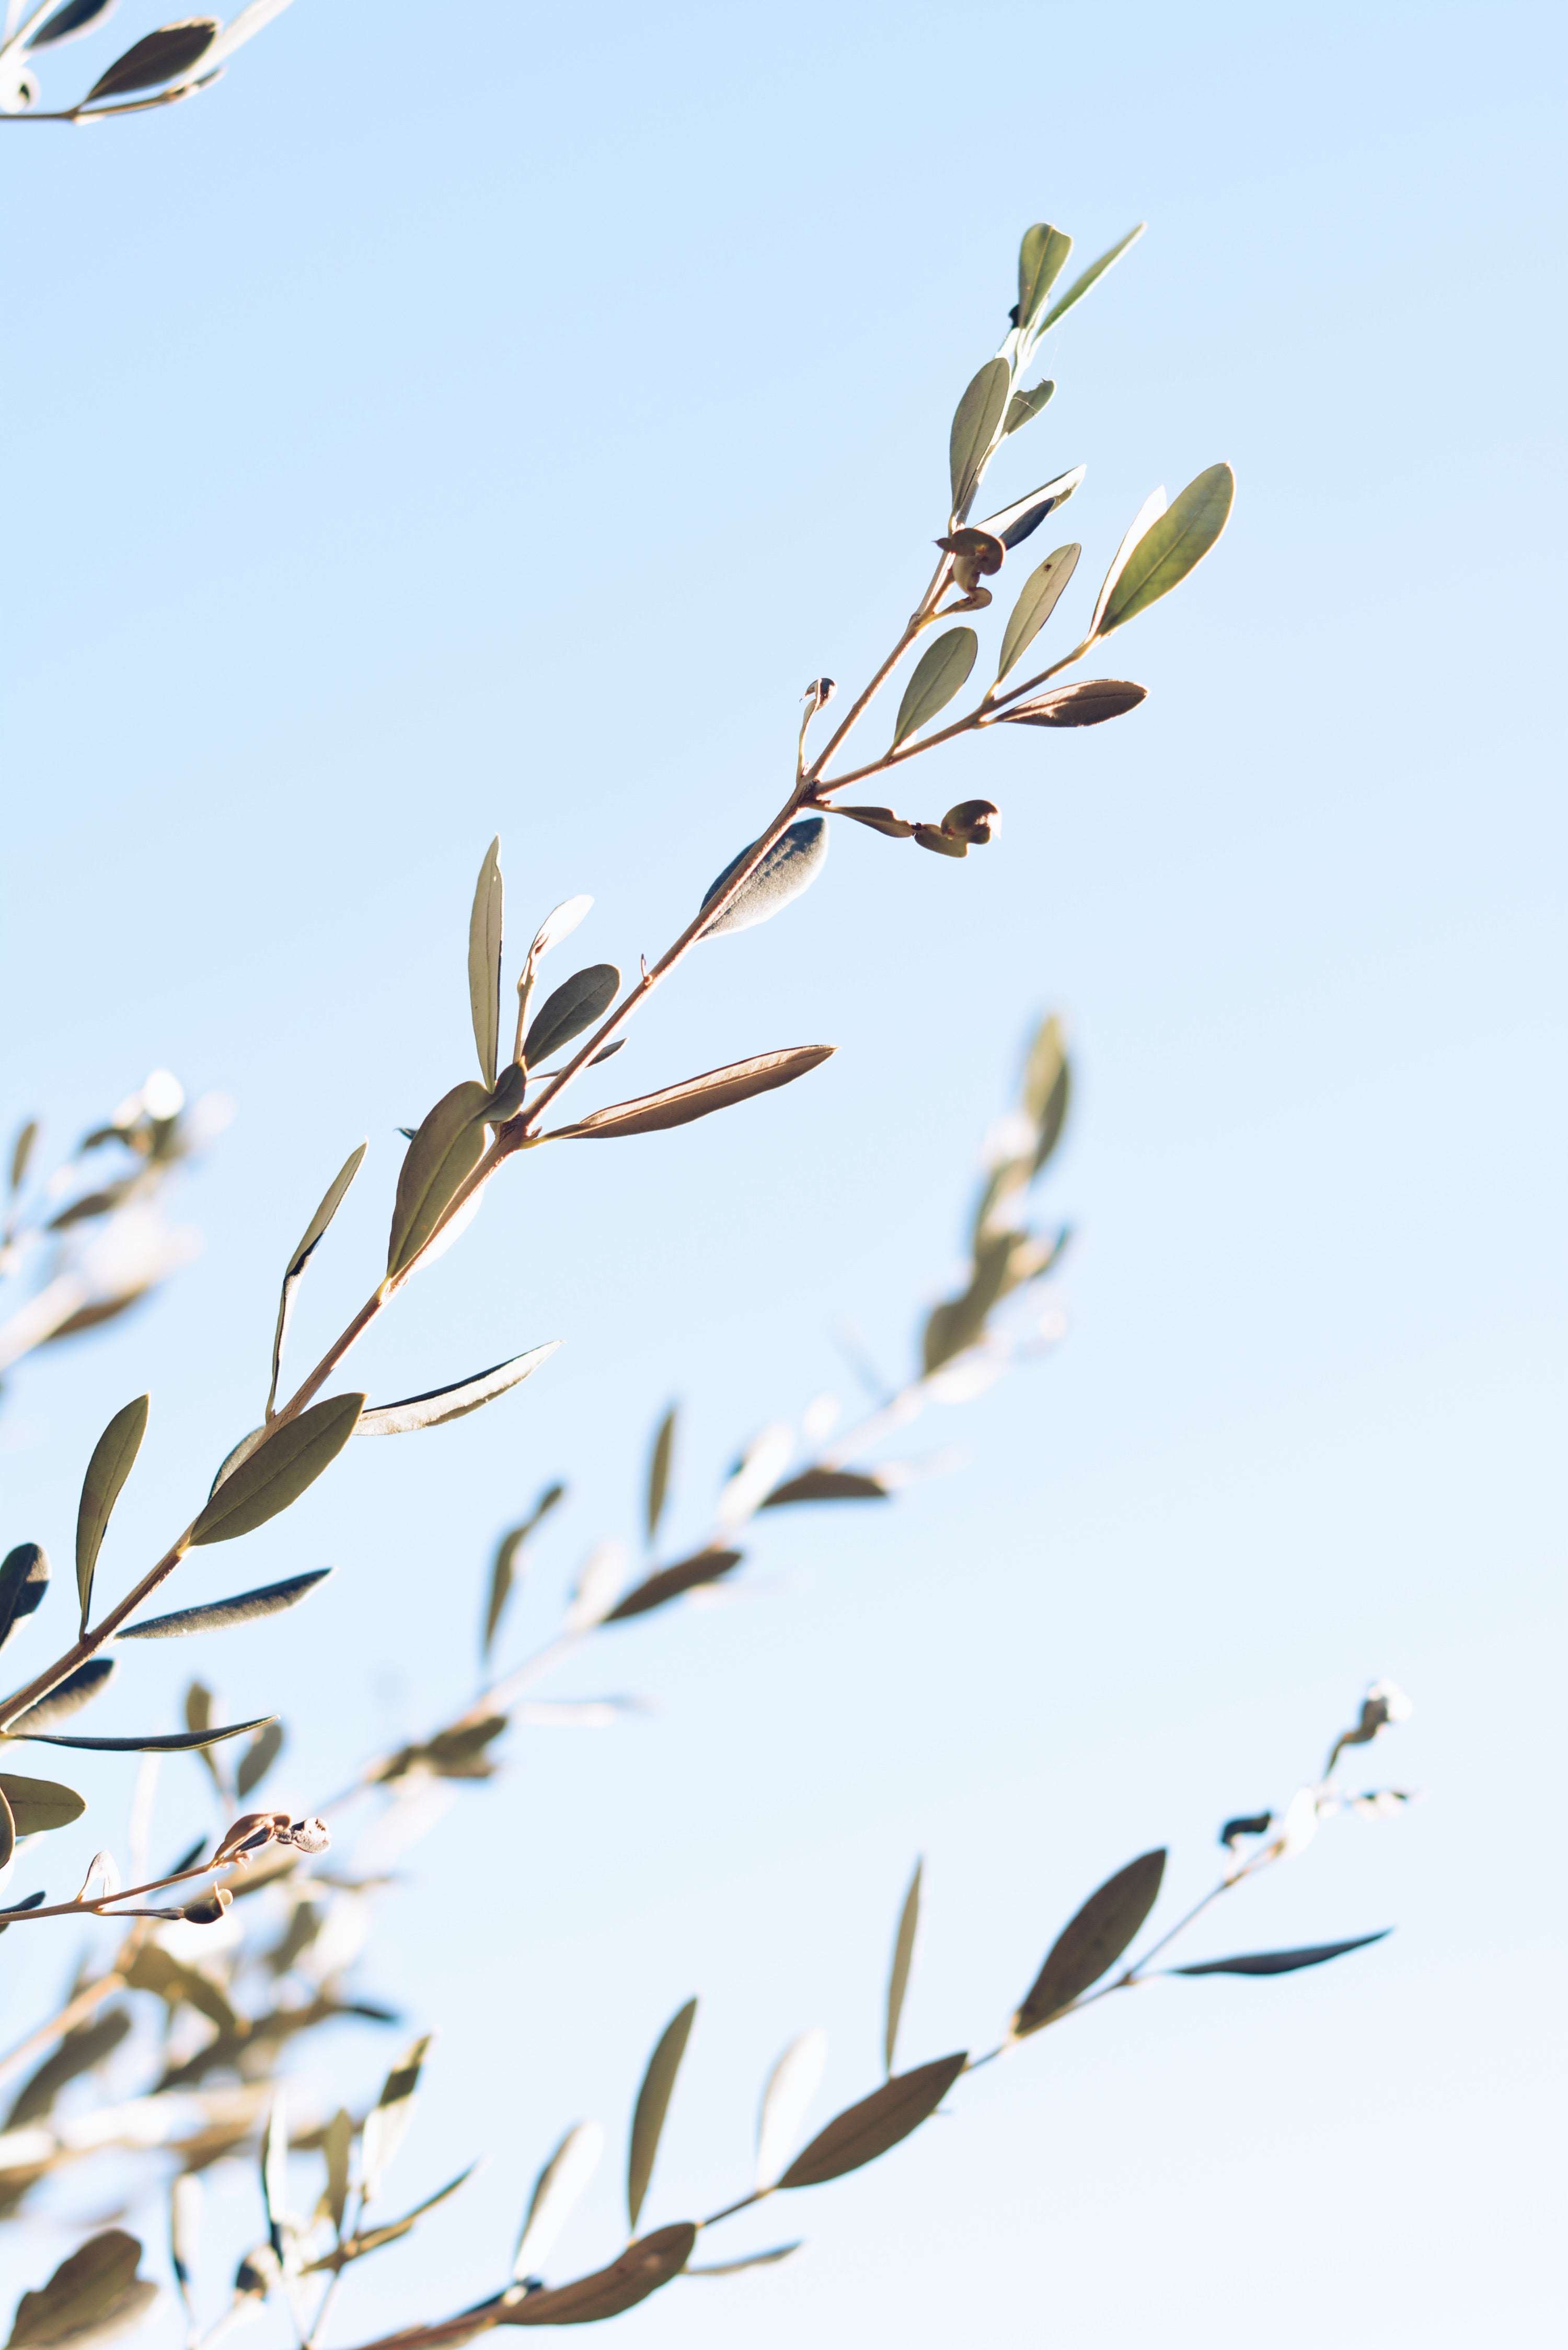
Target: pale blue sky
x,y
487,419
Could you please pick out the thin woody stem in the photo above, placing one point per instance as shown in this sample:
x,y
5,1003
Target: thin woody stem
x,y
99,1906
917,620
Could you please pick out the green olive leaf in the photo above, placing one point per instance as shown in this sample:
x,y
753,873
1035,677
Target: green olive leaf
x,y
1025,405
1280,1963
217,1614
1042,257
446,1149
903,1958
575,1005
698,1096
863,2131
112,1459
976,425
259,1758
1095,270
387,2122
291,1456
653,2104
658,1465
1088,702
170,1741
332,1199
433,1409
791,866
826,1485
92,2296
67,1697
165,55
669,1582
1037,600
645,2265
503,1567
38,1805
938,674
1170,548
485,962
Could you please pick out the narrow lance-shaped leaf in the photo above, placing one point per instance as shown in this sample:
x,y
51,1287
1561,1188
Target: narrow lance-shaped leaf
x,y
24,1579
1092,1940
217,1615
504,1566
1037,600
938,674
258,1759
386,2125
1095,270
8,1833
1025,405
292,1456
485,962
1013,525
275,2169
184,2228
903,1958
768,2260
863,2131
1280,1962
790,866
555,2194
791,2084
371,2239
170,1742
38,1805
165,55
1088,702
652,2103
826,1485
699,1096
112,1459
1173,545
438,1405
640,2270
21,1152
575,1005
1147,515
1042,257
659,1464
92,2296
668,1583
332,1199
336,2146
446,1149
975,426
1047,1087
65,1699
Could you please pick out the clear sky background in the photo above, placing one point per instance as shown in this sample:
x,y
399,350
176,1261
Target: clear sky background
x,y
487,419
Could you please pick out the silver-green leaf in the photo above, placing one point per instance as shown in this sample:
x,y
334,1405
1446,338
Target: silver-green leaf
x,y
573,1006
332,1199
791,865
1095,272
217,1614
938,674
976,424
1036,601
292,1456
112,1459
442,1404
485,962
446,1149
1171,546
1042,257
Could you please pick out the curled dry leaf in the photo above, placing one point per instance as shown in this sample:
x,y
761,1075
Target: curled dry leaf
x,y
642,2268
1088,703
940,843
975,821
699,1096
290,1457
880,819
438,1405
217,1615
687,1575
1280,1962
1092,1940
790,866
863,2131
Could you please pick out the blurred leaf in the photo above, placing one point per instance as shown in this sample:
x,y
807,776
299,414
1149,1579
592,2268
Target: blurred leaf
x,y
699,1096
67,1697
641,2269
22,1151
175,1982
444,1152
826,1485
791,865
258,1759
246,26
292,1456
1280,1963
1250,1824
8,1835
753,2261
791,2084
879,819
39,1804
165,56
659,1472
275,2170
172,1741
1097,269
1088,703
556,2193
862,2132
938,675
976,421
217,1615
1025,405
337,2147
1042,257
704,1566
386,2124
502,1571
185,2230
32,1900
485,962
24,1579
112,1459
1037,602
1171,546
575,1005
903,1955
454,1753
88,2045
1019,521
332,1199
371,2239
442,1404
558,924
90,2298
652,2103
1092,1940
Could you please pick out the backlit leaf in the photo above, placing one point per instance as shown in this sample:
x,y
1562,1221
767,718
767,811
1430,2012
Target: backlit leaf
x,y
387,2122
1042,257
699,1096
113,1456
1171,546
652,2103
575,1005
768,2260
1015,523
83,2048
371,2239
39,1804
67,1697
1095,270
258,1759
22,1152
1047,1087
938,675
91,2297
446,1149
558,924
274,2169
826,1485
217,1614
24,1579
669,1582
903,1958
442,1404
291,1457
791,865
1280,1963
1147,514
184,2228
1092,1940
641,2269
862,2132
1025,405
332,1199
1036,601
659,1472
336,2146
504,1566
170,1741
791,2084
485,962
1089,702
555,2194
976,423
165,56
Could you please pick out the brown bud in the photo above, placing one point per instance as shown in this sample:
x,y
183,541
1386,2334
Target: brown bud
x,y
820,692
979,551
209,1908
976,821
942,843
306,1836
249,1833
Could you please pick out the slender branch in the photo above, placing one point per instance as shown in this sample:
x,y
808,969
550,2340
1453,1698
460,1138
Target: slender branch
x,y
99,1906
